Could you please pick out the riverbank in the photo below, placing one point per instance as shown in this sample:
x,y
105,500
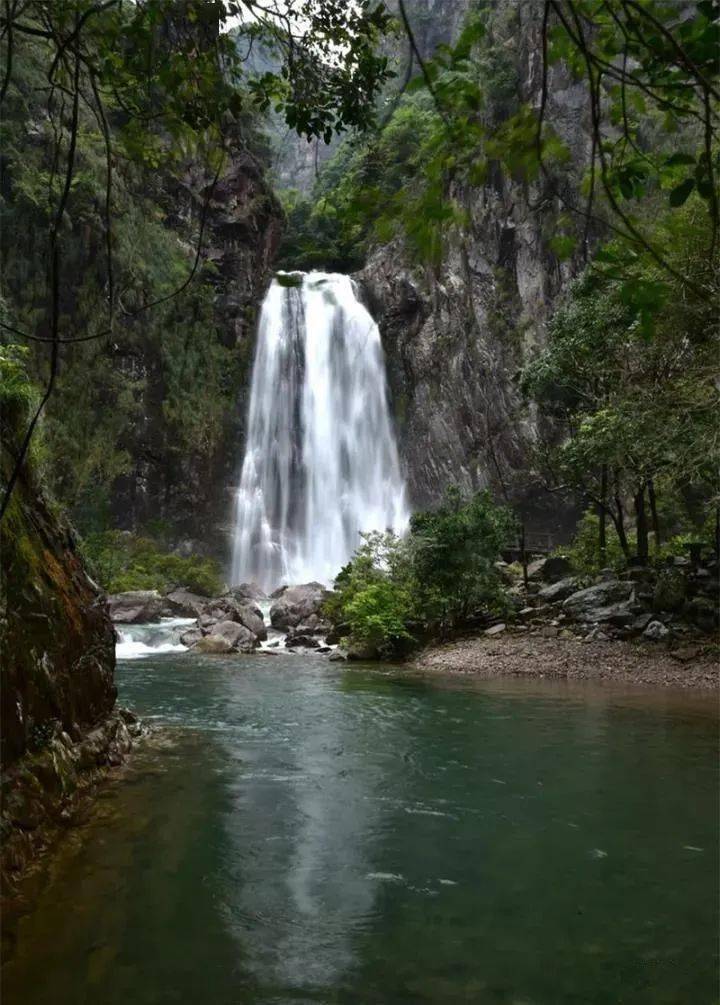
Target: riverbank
x,y
695,666
50,790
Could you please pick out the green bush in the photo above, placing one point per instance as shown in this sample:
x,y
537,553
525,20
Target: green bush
x,y
584,552
122,561
395,591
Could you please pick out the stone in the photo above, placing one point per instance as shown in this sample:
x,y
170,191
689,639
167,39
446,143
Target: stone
x,y
558,591
240,638
191,636
184,604
641,622
357,651
585,604
297,603
136,607
703,612
656,632
229,609
549,632
324,650
248,591
614,614
556,568
305,641
338,656
685,654
596,635
495,630
526,612
535,569
212,644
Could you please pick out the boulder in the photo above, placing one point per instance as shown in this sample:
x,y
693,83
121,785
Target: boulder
x,y
240,638
136,607
357,651
247,591
295,604
555,568
703,612
185,604
228,609
656,632
585,604
337,657
191,636
298,638
212,644
614,614
558,591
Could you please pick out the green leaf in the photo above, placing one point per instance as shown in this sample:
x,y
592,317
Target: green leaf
x,y
680,193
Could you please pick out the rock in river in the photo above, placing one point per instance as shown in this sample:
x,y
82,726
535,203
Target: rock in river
x,y
295,604
136,607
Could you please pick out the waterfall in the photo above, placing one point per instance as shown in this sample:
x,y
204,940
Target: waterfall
x,y
321,462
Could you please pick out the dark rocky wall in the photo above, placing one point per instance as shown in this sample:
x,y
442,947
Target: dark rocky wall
x,y
191,492
57,643
456,337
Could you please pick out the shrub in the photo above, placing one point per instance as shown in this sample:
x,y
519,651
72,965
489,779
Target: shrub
x,y
122,561
396,590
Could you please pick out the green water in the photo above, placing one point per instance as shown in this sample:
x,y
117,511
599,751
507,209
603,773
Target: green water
x,y
313,835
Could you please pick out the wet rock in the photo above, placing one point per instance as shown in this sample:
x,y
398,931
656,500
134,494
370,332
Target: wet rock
x,y
215,644
357,651
324,650
239,638
656,632
558,591
136,607
191,636
184,604
295,604
586,604
297,638
248,591
338,656
229,609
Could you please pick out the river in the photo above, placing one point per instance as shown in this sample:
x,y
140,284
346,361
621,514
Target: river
x,y
300,833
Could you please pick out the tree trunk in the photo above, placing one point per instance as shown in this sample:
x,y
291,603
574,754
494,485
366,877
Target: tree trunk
x,y
641,526
619,522
523,555
654,513
602,516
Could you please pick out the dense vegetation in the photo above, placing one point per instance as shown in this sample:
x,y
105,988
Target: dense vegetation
x,y
396,592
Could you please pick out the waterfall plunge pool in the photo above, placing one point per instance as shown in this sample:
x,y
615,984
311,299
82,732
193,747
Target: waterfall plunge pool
x,y
305,834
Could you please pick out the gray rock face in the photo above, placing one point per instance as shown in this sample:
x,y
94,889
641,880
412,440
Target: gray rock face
x,y
136,607
239,638
247,591
191,636
556,568
185,604
295,604
455,336
228,609
212,644
597,602
556,592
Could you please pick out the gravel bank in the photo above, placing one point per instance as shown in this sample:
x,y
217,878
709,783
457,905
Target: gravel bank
x,y
531,655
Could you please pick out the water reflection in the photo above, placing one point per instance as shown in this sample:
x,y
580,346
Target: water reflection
x,y
314,835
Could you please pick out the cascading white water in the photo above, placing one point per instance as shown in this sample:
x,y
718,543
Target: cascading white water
x,y
321,463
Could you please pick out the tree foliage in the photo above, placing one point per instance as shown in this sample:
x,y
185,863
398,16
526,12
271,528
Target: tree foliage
x,y
396,591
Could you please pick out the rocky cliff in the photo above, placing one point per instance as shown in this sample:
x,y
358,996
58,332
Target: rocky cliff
x,y
56,637
189,490
456,336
